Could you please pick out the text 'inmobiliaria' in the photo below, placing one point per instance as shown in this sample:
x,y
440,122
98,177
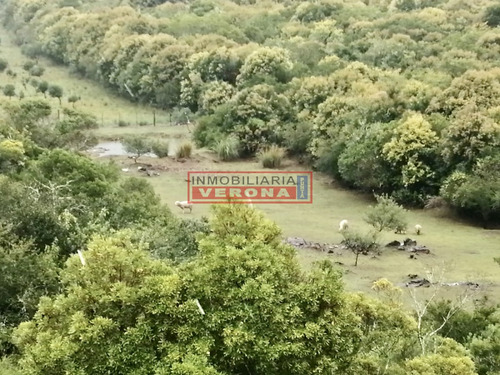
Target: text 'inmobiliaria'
x,y
250,187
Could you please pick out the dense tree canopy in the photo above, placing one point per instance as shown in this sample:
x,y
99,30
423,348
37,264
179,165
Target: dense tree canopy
x,y
342,69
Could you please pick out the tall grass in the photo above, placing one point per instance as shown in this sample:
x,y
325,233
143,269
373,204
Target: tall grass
x,y
228,148
272,157
184,150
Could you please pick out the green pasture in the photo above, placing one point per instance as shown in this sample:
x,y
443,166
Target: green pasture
x,y
108,107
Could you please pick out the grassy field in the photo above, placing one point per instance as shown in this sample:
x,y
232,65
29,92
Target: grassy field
x,y
108,107
464,251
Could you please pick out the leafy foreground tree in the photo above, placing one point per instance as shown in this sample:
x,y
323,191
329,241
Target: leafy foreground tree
x,y
123,312
242,306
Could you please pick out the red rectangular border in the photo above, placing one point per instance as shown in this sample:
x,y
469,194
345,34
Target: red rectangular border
x,y
310,173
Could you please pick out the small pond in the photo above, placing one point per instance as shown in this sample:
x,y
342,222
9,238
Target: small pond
x,y
113,149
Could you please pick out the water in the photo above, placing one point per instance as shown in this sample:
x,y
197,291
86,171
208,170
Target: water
x,y
114,149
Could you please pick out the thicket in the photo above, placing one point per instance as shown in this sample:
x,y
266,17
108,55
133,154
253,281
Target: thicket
x,y
53,200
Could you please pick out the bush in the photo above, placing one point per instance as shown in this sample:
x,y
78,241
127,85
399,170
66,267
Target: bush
x,y
297,138
37,71
228,148
28,65
3,65
160,148
387,215
184,150
360,243
123,123
492,16
272,157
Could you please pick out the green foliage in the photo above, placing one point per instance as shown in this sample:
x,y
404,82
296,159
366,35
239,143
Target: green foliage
x,y
360,243
485,350
9,90
360,163
36,71
3,65
387,215
272,157
476,192
12,153
469,136
160,148
228,148
184,150
43,86
73,99
136,145
297,138
492,16
26,276
463,325
55,91
245,280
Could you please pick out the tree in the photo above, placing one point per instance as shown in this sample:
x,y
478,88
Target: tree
x,y
360,243
427,335
387,215
450,358
469,136
11,153
73,99
9,90
43,86
56,91
137,146
242,306
492,16
3,64
412,155
26,276
485,350
266,61
476,192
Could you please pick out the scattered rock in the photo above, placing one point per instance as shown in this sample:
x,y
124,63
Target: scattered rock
x,y
394,243
420,249
418,283
462,283
409,242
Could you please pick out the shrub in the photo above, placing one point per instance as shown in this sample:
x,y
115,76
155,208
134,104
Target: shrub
x,y
136,145
3,65
360,243
228,148
272,157
184,150
297,138
28,65
492,16
387,215
123,123
160,148
143,123
37,71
